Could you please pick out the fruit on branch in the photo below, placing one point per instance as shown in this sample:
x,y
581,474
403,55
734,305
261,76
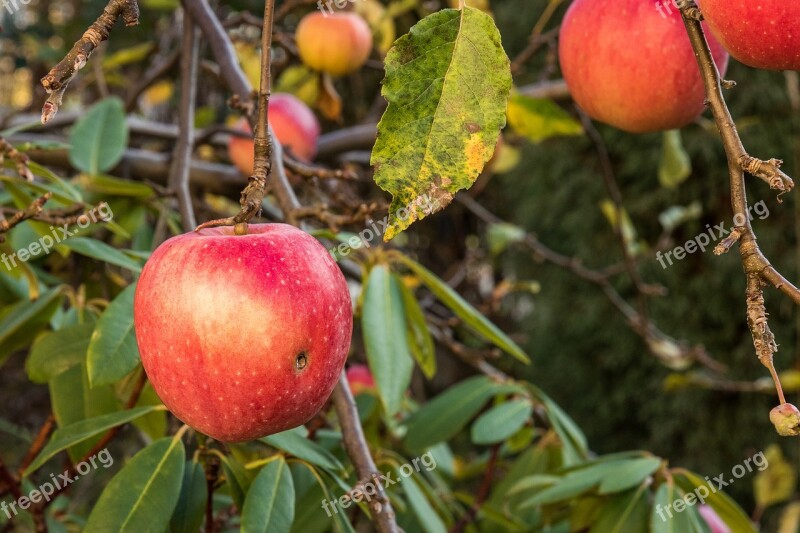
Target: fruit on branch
x,y
293,123
360,379
243,336
629,64
337,43
763,34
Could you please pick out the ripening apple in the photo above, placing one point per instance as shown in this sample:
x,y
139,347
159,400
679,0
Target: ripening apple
x,y
243,336
360,379
336,43
294,125
763,34
629,63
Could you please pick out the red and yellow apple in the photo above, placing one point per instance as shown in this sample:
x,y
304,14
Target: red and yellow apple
x,y
360,379
762,34
631,65
336,43
294,125
243,336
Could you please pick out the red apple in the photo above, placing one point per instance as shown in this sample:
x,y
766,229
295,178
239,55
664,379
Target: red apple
x,y
629,63
713,520
360,379
761,34
336,43
293,123
243,336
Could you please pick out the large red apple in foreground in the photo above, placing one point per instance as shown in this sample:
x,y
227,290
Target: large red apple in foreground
x,y
243,336
293,123
761,34
630,65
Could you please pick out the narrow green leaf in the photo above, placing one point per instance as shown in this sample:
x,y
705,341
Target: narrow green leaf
x,y
109,185
269,506
629,474
22,321
500,422
58,351
102,252
675,165
727,509
574,445
428,519
143,495
383,321
190,509
471,316
113,352
80,431
419,336
99,137
295,443
625,512
538,119
447,82
444,416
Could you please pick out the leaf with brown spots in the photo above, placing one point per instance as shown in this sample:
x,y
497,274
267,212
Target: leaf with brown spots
x,y
447,83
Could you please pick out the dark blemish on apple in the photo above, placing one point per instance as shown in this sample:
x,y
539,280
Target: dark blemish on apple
x,y
301,361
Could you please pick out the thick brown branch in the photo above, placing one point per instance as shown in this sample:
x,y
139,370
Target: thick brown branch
x,y
57,80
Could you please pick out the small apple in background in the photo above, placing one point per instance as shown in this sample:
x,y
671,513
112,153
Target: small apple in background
x,y
762,34
293,123
632,66
336,43
360,379
243,336
712,519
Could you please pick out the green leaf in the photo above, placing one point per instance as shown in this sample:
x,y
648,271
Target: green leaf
x,y
80,431
501,235
777,483
270,501
471,316
190,509
109,185
538,119
728,510
295,443
102,252
20,322
574,445
662,518
99,137
675,165
58,351
143,495
383,321
629,474
428,519
444,416
113,352
626,512
447,82
500,422
419,336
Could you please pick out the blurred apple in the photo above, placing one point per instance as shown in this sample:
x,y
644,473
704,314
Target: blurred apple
x,y
630,64
294,125
360,379
336,43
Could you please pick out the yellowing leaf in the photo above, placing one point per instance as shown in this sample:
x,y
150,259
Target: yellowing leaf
x,y
380,22
447,82
675,165
158,93
250,59
134,54
776,483
300,81
538,119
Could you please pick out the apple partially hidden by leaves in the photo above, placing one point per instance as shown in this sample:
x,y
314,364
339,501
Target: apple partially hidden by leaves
x,y
293,123
631,65
763,34
360,379
337,43
243,336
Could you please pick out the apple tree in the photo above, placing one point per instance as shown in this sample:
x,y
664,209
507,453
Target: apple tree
x,y
233,298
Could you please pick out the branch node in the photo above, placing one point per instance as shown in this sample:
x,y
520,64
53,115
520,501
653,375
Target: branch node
x,y
727,243
768,171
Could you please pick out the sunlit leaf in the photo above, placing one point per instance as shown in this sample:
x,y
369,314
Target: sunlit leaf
x,y
99,137
538,119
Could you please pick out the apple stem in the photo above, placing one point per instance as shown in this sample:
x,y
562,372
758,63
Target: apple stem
x,y
757,267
